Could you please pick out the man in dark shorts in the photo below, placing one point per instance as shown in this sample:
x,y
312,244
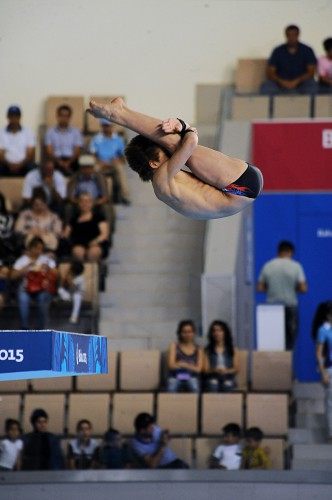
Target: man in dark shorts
x,y
217,185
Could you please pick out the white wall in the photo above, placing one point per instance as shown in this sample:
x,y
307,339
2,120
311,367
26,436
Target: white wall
x,y
152,51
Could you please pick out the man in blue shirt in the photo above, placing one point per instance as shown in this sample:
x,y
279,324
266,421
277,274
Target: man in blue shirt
x,y
64,142
150,445
108,147
291,67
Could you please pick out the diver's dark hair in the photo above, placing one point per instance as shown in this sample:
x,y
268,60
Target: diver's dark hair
x,y
139,152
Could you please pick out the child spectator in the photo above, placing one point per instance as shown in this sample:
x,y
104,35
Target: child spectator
x,y
114,453
11,446
253,455
72,287
229,454
83,450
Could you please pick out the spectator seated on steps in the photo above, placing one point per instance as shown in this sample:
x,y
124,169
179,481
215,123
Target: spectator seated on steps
x,y
108,147
51,181
63,143
17,146
39,221
185,360
87,180
221,359
87,233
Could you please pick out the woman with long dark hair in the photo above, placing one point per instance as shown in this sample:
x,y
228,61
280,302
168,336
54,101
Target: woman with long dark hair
x,y
221,359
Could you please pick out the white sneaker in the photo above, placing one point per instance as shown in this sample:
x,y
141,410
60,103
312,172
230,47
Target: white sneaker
x,y
63,293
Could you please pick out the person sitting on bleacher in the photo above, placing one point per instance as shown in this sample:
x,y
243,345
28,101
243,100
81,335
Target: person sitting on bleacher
x,y
37,274
87,232
41,449
87,180
72,288
108,147
17,146
11,446
63,142
221,360
51,181
83,451
150,445
291,67
185,360
40,221
114,454
254,456
8,243
325,68
228,455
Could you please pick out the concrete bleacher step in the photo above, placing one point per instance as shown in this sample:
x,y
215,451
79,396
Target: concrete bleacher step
x,y
131,329
299,435
311,465
314,451
308,406
144,282
144,314
148,299
313,391
310,421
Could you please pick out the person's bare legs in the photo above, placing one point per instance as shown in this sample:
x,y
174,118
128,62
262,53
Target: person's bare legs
x,y
212,167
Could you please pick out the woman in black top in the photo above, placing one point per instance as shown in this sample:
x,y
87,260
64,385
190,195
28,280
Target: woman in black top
x,y
88,232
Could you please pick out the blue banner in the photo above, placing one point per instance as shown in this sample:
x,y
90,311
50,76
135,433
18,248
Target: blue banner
x,y
43,353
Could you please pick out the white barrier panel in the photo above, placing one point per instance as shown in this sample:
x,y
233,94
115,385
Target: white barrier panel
x,y
270,327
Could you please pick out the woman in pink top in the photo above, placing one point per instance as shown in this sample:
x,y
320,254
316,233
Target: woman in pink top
x,y
325,68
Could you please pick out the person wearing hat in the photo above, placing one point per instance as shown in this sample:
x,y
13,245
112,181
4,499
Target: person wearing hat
x,y
17,146
64,142
150,445
108,147
41,449
88,181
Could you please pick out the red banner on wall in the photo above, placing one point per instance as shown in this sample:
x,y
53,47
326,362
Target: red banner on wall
x,y
294,156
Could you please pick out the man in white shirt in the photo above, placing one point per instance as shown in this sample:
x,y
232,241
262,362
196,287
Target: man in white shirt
x,y
52,181
17,146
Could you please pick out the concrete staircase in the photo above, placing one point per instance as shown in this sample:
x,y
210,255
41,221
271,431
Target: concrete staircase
x,y
154,272
308,438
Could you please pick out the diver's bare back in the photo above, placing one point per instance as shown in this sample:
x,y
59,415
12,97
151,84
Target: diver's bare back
x,y
193,198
